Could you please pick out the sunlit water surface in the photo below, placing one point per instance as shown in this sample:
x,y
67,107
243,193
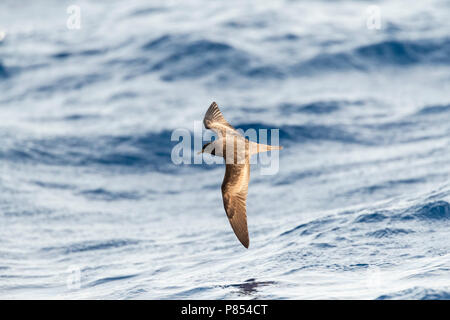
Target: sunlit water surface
x,y
360,205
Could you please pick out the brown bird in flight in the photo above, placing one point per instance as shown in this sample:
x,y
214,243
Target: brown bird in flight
x,y
236,150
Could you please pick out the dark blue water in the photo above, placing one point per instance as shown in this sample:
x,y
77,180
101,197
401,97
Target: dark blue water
x,y
360,207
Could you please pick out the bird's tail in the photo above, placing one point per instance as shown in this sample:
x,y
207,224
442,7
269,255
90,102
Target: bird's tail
x,y
265,148
275,148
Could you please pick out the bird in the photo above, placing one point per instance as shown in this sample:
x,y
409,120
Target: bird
x,y
236,151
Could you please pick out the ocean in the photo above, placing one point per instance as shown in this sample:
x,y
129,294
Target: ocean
x,y
92,206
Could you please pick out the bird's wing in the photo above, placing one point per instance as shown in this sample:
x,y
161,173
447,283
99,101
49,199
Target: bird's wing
x,y
215,121
234,194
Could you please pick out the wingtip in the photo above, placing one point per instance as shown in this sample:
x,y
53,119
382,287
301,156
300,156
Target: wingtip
x,y
245,243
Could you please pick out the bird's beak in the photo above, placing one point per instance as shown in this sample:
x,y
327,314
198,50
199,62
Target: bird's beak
x,y
200,152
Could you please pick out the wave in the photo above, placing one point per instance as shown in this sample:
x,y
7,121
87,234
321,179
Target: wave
x,y
91,246
83,53
193,59
321,106
179,57
73,82
3,72
439,210
371,217
406,52
389,220
151,150
107,195
183,58
436,109
9,211
51,185
110,279
385,53
305,133
388,232
310,227
386,185
315,107
147,11
417,293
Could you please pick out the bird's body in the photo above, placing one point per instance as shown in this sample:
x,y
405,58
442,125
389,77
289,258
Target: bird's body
x,y
236,150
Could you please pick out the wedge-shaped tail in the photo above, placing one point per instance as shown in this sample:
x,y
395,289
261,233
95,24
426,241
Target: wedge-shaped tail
x,y
258,148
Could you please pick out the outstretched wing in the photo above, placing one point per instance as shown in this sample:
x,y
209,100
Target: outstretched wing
x,y
215,121
234,194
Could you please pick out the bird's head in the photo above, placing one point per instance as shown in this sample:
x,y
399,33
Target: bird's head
x,y
207,148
